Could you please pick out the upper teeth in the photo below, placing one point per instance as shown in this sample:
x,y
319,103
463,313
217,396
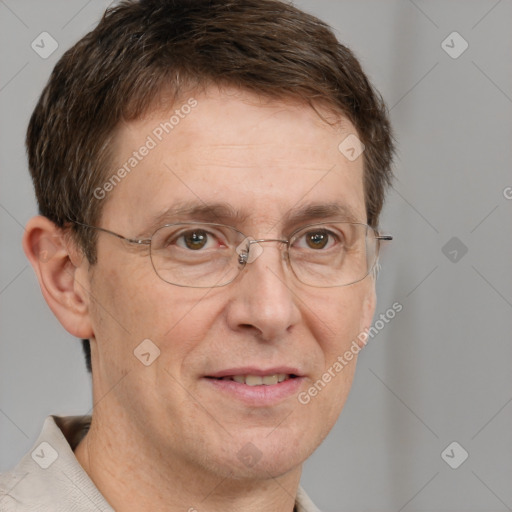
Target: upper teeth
x,y
257,380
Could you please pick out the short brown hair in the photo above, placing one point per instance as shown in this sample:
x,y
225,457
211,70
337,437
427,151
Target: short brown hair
x,y
141,49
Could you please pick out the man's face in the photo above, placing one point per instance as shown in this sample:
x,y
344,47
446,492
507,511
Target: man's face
x,y
266,161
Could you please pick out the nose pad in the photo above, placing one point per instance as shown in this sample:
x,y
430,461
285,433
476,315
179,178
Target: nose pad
x,y
248,250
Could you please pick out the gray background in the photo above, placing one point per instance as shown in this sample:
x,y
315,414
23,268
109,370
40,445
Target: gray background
x,y
440,371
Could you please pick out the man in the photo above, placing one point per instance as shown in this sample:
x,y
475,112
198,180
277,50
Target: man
x,y
209,177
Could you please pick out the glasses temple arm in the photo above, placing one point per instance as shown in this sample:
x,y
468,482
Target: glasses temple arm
x,y
131,240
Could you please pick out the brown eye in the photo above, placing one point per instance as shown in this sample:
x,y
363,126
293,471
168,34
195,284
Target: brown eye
x,y
195,239
317,239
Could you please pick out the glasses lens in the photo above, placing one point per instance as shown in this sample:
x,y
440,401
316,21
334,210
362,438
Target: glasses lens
x,y
333,254
210,255
196,255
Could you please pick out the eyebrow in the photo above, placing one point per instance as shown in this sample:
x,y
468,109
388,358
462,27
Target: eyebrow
x,y
322,211
224,213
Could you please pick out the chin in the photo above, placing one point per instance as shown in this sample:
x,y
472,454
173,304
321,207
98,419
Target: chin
x,y
265,457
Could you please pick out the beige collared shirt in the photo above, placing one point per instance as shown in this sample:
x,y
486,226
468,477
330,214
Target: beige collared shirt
x,y
49,478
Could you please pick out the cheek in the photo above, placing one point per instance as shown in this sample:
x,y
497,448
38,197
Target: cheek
x,y
143,307
124,307
338,319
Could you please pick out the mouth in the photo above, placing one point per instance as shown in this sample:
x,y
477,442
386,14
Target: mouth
x,y
258,380
256,386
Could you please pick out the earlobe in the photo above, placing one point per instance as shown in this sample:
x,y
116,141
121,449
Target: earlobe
x,y
60,272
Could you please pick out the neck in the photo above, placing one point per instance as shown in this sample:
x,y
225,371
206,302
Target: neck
x,y
132,474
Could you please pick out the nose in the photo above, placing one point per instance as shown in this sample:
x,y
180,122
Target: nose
x,y
263,297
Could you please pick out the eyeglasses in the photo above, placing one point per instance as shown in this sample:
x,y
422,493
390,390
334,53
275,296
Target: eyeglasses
x,y
206,255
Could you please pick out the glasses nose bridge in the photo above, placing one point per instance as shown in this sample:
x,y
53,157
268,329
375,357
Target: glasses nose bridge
x,y
262,240
253,254
265,240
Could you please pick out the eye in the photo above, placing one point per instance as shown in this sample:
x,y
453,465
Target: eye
x,y
195,240
178,240
317,239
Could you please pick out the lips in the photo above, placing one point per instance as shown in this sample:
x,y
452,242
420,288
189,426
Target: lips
x,y
258,380
254,387
257,376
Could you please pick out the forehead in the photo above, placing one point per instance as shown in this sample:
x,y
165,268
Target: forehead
x,y
262,158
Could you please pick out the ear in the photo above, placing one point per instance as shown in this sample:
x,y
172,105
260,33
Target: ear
x,y
62,272
369,304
